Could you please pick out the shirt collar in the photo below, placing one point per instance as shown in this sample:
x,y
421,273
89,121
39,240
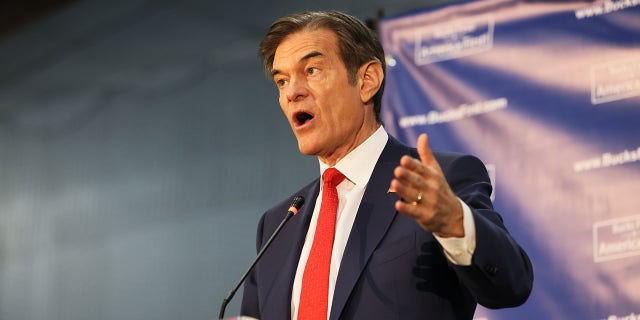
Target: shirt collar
x,y
358,164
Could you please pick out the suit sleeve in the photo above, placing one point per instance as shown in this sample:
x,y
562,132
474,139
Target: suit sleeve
x,y
500,274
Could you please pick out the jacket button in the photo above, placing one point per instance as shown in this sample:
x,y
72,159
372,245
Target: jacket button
x,y
491,269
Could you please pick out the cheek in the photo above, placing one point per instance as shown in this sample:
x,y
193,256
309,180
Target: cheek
x,y
283,103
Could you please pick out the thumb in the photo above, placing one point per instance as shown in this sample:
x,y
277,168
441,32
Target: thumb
x,y
426,157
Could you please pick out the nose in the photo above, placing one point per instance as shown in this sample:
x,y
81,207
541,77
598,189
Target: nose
x,y
296,90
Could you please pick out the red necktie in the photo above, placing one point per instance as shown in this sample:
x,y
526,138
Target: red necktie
x,y
314,296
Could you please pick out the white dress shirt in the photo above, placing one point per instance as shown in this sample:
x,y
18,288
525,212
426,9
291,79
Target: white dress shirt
x,y
357,167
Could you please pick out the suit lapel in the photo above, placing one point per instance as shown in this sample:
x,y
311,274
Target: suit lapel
x,y
373,219
280,292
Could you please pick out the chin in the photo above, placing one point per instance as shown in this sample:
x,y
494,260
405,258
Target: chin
x,y
306,152
306,149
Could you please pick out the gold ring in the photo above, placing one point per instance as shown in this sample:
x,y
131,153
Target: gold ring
x,y
419,199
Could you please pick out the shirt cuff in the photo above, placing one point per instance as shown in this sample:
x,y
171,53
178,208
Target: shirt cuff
x,y
460,250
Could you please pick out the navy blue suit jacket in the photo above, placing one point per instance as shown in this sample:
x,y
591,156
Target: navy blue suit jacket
x,y
392,268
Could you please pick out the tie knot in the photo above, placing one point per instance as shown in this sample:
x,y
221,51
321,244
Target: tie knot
x,y
332,176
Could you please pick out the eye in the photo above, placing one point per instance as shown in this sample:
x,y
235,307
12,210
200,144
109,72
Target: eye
x,y
312,70
280,82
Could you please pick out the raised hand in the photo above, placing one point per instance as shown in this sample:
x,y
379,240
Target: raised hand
x,y
427,197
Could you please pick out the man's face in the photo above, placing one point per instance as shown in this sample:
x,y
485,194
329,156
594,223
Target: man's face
x,y
326,112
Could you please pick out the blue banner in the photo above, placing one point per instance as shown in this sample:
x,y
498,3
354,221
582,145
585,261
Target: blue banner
x,y
547,94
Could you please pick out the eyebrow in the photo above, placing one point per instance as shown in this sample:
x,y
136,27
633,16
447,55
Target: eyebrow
x,y
307,56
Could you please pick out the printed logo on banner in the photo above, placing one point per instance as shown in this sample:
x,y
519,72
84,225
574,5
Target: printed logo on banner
x,y
458,113
615,80
607,160
631,316
616,238
605,7
445,41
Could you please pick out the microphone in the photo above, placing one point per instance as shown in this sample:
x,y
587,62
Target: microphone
x,y
296,204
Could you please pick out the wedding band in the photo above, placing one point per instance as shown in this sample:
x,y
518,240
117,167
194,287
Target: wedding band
x,y
418,200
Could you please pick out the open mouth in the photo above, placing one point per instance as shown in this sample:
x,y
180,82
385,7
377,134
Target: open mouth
x,y
301,117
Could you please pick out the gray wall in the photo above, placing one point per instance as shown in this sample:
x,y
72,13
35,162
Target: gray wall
x,y
139,144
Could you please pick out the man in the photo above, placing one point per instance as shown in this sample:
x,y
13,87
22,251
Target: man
x,y
416,236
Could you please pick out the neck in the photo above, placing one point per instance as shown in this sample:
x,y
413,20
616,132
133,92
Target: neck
x,y
345,149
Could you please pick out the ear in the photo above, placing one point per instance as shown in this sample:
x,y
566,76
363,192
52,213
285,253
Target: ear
x,y
370,76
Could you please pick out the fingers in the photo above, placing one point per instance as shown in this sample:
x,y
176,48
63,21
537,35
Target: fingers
x,y
425,167
416,176
410,195
438,210
410,192
412,165
410,210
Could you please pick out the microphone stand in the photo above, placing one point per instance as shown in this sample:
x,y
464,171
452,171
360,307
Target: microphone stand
x,y
297,203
